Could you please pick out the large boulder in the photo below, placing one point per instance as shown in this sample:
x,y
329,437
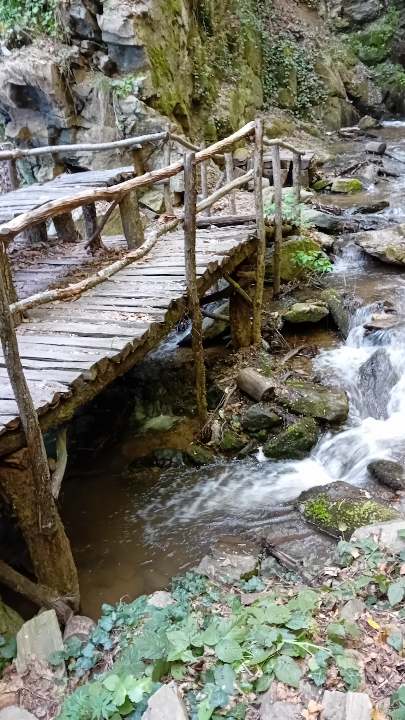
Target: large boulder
x,y
316,401
306,312
290,269
361,11
387,245
377,377
339,508
38,639
347,185
295,442
388,472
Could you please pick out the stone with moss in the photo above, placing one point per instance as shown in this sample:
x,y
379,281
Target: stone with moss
x,y
306,312
347,185
232,441
313,400
339,509
199,454
290,269
10,620
295,442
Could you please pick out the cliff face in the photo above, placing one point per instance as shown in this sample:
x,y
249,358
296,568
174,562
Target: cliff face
x,y
114,68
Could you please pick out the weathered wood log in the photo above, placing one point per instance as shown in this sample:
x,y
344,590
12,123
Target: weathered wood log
x,y
204,185
238,289
297,185
167,155
225,220
131,220
277,142
229,178
260,231
190,211
40,595
103,222
92,232
65,228
61,462
278,219
225,190
86,196
255,385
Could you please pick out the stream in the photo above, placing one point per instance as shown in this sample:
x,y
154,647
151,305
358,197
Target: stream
x,y
132,533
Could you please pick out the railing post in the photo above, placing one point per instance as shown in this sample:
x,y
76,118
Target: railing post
x,y
297,184
229,178
167,154
261,232
65,228
90,227
204,185
131,220
278,220
190,213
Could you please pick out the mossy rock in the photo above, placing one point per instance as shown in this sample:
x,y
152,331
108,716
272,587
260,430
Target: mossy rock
x,y
339,509
160,423
10,620
233,441
347,186
306,312
289,269
320,185
295,442
199,454
313,400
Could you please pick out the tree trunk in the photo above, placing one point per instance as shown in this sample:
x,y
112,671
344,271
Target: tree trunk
x,y
51,554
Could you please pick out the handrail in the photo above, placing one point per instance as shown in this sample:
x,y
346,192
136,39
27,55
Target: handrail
x,y
59,207
280,143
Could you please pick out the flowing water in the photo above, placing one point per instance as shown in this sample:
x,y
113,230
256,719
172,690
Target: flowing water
x,y
132,533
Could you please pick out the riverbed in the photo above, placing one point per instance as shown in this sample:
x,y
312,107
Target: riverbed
x,y
132,531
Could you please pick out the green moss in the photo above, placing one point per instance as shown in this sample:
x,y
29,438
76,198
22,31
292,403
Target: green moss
x,y
295,442
344,516
347,185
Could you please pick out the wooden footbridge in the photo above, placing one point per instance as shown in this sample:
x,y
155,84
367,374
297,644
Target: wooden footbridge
x,y
63,344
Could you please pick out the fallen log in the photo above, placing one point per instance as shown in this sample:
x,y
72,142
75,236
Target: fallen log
x,y
255,385
40,595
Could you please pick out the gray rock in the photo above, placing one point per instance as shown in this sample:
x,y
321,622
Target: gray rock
x,y
367,123
353,610
361,11
161,599
16,713
376,147
259,417
280,711
324,240
38,639
310,399
322,221
386,534
80,627
376,378
339,309
304,312
346,706
227,567
166,704
387,244
388,473
154,200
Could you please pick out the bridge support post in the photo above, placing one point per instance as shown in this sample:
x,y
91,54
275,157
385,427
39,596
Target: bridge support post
x,y
90,226
65,228
261,233
131,220
190,224
240,311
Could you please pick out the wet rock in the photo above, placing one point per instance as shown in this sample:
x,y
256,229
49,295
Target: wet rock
x,y
377,377
390,168
376,147
16,713
160,423
372,206
339,508
347,185
306,312
227,567
10,620
367,123
324,240
232,441
199,454
388,534
387,244
322,184
167,457
388,473
290,270
281,710
353,610
382,322
38,639
166,704
78,627
339,310
295,442
161,599
316,401
346,706
326,222
259,417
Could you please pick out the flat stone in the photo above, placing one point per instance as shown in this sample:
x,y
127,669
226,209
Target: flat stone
x,y
385,532
161,599
387,244
280,711
358,706
166,704
389,473
334,705
227,567
16,713
382,322
313,400
347,185
38,639
376,147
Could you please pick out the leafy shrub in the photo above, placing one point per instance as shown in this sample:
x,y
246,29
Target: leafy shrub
x,y
374,44
312,262
21,17
390,74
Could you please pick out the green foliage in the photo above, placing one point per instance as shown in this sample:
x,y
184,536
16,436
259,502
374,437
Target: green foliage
x,y
390,74
374,44
21,17
8,650
314,263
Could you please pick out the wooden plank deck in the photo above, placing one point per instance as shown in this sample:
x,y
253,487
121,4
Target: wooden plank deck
x,y
72,350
